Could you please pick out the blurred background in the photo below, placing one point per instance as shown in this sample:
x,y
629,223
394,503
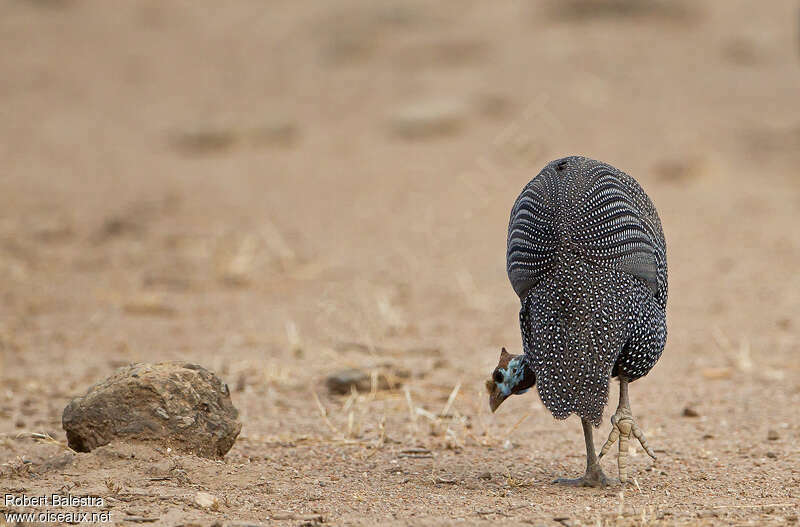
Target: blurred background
x,y
277,190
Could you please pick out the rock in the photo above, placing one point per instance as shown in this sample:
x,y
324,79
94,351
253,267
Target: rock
x,y
206,500
772,435
745,50
211,139
684,170
275,133
650,10
690,412
177,404
52,229
716,373
149,305
205,141
494,105
343,381
116,226
428,119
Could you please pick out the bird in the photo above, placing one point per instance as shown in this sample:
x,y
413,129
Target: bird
x,y
586,256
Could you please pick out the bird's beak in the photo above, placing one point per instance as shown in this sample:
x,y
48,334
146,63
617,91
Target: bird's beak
x,y
496,397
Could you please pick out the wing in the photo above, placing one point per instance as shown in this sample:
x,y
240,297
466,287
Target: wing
x,y
532,236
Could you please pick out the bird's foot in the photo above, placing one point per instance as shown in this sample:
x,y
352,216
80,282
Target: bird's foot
x,y
623,425
594,477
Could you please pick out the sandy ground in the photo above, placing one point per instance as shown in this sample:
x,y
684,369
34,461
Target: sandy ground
x,y
281,190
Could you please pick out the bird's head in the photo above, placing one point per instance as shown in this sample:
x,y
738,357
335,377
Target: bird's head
x,y
511,376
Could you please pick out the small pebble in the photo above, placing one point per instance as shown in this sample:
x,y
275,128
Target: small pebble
x,y
206,500
690,412
428,119
343,381
772,435
772,455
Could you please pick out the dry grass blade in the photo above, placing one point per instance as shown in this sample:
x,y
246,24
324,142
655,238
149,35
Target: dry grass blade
x,y
514,426
757,506
293,337
314,518
351,400
426,414
450,400
412,414
351,421
324,413
415,451
381,439
278,244
739,359
373,383
42,438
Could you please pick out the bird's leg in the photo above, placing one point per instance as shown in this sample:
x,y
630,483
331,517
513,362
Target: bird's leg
x,y
623,426
594,476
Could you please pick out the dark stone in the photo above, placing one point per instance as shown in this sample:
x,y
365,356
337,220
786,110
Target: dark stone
x,y
177,404
343,381
690,412
772,435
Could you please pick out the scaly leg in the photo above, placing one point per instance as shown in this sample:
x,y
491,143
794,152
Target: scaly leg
x,y
594,476
622,426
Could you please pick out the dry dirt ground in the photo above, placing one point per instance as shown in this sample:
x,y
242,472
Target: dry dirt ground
x,y
279,190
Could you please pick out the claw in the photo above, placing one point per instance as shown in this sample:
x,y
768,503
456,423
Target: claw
x,y
594,477
642,440
622,427
612,438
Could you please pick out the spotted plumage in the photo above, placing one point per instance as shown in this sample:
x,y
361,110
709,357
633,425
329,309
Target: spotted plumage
x,y
587,257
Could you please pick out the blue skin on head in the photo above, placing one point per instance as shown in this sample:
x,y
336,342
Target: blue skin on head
x,y
512,376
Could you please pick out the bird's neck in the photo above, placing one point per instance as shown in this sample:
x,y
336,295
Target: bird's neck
x,y
527,375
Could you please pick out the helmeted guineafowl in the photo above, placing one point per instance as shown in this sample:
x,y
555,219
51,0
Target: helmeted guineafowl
x,y
586,255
